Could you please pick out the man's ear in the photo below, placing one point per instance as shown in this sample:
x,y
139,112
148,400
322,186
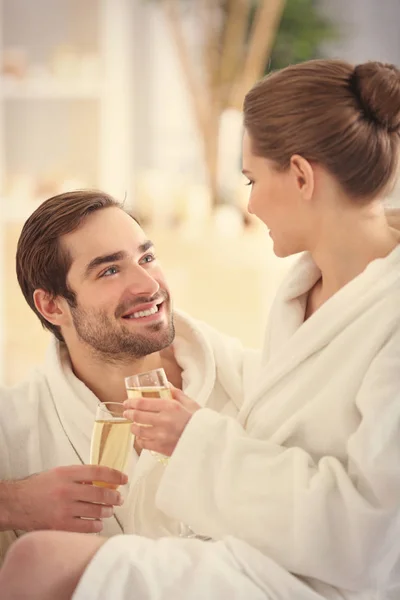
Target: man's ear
x,y
50,307
303,173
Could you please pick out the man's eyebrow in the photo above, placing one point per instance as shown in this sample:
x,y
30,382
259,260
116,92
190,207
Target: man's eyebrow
x,y
101,260
145,246
114,257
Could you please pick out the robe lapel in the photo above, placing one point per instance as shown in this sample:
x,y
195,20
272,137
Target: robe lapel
x,y
76,412
76,404
311,336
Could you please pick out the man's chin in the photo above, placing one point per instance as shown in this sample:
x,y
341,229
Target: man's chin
x,y
160,333
123,339
146,324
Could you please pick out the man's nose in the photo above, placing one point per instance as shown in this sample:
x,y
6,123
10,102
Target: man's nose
x,y
142,283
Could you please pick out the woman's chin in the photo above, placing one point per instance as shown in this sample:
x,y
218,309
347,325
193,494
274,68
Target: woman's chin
x,y
282,251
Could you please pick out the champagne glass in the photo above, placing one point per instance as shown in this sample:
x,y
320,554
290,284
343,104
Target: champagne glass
x,y
112,439
152,384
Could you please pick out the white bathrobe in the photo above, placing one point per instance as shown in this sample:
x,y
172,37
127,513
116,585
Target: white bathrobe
x,y
308,474
137,568
47,421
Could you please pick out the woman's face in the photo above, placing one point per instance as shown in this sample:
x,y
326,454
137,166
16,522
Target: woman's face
x,y
276,199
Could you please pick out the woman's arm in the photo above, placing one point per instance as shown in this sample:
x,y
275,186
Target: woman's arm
x,y
332,521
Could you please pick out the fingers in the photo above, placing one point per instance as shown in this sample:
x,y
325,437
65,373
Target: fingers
x,y
177,394
139,412
143,433
148,445
98,495
92,511
89,473
181,399
78,525
143,418
147,404
156,446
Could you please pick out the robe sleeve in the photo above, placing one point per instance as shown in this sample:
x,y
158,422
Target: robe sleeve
x,y
337,522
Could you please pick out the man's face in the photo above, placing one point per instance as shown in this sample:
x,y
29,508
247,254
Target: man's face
x,y
123,307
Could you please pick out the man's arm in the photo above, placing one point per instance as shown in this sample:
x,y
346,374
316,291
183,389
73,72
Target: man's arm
x,y
61,498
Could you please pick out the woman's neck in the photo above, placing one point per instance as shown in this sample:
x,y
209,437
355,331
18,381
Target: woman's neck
x,y
345,248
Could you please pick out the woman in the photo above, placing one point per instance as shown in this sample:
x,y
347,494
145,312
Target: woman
x,y
309,474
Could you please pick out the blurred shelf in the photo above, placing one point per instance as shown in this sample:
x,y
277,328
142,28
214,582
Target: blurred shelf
x,y
48,89
75,40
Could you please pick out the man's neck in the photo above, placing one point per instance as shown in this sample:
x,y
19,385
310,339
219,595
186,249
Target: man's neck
x,y
106,379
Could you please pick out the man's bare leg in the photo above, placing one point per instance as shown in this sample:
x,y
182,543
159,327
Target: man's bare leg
x,y
45,565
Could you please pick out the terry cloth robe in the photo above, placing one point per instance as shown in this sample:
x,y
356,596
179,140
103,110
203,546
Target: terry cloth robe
x,y
136,568
47,421
309,472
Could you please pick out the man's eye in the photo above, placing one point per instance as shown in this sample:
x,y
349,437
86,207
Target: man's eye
x,y
148,258
109,271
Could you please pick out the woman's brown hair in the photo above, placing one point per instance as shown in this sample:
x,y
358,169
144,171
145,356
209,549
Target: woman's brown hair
x,y
343,117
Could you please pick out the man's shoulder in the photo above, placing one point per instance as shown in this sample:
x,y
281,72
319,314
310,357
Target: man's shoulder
x,y
213,335
32,386
226,348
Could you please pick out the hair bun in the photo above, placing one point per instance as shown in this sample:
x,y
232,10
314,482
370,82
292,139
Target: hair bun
x,y
377,88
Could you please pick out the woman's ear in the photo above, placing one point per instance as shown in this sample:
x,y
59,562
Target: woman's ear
x,y
303,174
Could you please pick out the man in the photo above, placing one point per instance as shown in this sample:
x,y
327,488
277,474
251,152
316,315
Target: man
x,y
92,277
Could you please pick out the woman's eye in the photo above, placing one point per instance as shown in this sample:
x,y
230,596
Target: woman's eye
x,y
249,183
148,258
109,271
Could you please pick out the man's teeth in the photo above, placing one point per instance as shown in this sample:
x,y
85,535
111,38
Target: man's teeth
x,y
143,313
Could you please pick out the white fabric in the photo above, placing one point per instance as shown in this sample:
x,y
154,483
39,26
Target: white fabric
x,y
47,421
310,472
136,568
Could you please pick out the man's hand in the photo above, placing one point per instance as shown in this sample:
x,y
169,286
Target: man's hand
x,y
62,498
158,423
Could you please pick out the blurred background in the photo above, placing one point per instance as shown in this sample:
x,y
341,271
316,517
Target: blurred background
x,y
142,99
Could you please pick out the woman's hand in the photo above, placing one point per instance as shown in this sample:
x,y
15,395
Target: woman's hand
x,y
158,423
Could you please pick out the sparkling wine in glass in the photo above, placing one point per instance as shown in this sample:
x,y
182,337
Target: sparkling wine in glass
x,y
152,384
112,439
